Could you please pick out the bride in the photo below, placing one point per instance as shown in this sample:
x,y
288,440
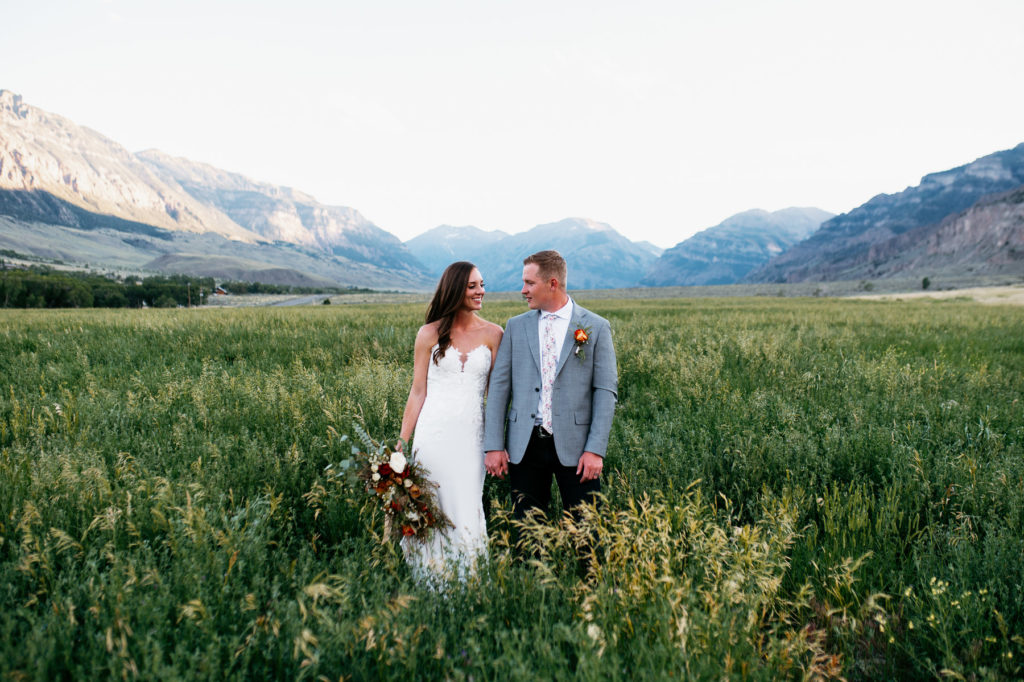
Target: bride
x,y
454,353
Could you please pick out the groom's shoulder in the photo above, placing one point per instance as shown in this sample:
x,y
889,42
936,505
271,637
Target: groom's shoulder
x,y
521,318
592,317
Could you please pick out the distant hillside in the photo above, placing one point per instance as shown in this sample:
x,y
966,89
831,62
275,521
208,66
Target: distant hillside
x,y
235,269
284,214
598,256
67,189
445,244
54,171
987,238
725,253
842,246
125,251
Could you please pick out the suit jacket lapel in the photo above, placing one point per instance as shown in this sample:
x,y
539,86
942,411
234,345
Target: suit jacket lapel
x,y
575,322
533,338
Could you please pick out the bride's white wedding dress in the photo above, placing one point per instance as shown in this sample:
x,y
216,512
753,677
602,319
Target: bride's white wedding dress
x,y
448,442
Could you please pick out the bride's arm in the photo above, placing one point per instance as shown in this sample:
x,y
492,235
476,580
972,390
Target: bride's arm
x,y
493,342
425,340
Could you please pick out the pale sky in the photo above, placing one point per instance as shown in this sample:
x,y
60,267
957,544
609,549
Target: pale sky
x,y
659,118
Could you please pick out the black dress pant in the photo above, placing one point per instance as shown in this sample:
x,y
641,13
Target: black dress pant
x,y
531,478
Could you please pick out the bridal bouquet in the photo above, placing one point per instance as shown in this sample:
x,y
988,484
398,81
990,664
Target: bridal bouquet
x,y
401,489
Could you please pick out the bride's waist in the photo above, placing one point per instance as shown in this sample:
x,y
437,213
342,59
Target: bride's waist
x,y
453,404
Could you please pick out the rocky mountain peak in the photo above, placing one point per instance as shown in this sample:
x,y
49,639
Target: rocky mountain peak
x,y
11,102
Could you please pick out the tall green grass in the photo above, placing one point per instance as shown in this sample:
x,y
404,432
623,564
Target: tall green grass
x,y
794,488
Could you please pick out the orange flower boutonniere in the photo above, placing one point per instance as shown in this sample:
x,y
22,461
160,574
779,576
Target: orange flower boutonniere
x,y
580,338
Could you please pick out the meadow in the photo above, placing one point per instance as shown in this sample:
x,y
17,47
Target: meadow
x,y
795,489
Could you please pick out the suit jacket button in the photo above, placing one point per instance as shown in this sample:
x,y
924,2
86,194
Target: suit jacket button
x,y
537,390
533,416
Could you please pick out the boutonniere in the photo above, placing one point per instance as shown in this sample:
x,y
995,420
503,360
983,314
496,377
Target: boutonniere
x,y
580,338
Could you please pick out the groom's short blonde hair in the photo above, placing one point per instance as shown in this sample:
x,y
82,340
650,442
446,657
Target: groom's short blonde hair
x,y
549,264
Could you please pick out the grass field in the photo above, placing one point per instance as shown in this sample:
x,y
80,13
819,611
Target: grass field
x,y
795,488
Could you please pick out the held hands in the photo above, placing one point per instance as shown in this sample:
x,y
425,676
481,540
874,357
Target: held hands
x,y
590,467
496,463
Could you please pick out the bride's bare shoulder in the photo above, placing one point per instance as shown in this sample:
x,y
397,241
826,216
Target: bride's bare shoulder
x,y
493,333
427,334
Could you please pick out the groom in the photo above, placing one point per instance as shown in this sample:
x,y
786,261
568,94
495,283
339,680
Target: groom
x,y
552,394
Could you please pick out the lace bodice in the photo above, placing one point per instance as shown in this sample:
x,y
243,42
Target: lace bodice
x,y
456,384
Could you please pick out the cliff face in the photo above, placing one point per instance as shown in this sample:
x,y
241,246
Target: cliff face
x,y
987,238
840,248
54,172
52,165
725,253
283,214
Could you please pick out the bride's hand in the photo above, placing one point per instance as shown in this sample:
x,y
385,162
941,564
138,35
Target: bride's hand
x,y
496,462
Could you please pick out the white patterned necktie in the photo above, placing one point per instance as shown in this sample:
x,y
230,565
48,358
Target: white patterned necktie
x,y
547,370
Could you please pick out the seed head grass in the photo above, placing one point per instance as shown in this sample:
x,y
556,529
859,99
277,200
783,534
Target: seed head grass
x,y
793,489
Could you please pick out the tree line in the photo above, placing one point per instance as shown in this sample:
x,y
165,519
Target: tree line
x,y
41,287
236,287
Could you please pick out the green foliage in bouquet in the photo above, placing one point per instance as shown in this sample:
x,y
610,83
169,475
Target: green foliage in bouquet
x,y
401,489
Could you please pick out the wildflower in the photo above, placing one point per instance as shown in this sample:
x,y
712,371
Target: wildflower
x,y
910,625
907,592
58,410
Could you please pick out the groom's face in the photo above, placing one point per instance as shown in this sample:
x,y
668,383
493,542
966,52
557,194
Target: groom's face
x,y
540,294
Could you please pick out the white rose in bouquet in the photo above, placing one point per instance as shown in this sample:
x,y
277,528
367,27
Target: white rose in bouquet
x,y
397,462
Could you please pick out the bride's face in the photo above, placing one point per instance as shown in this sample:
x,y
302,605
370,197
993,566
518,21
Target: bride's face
x,y
474,298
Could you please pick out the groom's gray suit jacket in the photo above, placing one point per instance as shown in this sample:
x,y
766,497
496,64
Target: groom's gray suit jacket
x,y
584,395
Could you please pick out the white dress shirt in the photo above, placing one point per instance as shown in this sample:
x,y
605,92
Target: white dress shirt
x,y
561,326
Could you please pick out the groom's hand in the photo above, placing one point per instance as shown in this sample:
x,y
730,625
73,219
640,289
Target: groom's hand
x,y
496,463
589,467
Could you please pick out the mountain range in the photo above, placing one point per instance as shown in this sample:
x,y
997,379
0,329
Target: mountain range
x,y
69,193
599,257
863,242
727,252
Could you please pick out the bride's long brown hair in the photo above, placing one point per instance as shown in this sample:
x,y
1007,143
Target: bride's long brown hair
x,y
447,302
